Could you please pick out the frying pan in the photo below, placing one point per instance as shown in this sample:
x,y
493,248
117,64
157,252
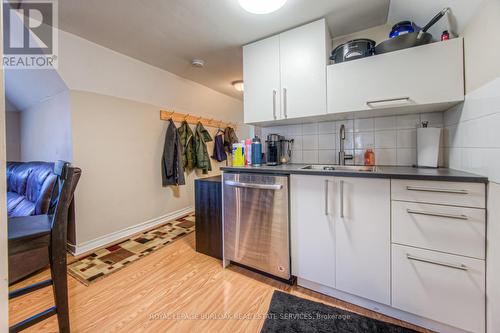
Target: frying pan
x,y
411,39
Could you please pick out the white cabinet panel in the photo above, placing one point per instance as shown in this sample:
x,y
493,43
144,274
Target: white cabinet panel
x,y
362,237
285,75
447,288
261,72
437,192
455,230
312,229
303,63
423,75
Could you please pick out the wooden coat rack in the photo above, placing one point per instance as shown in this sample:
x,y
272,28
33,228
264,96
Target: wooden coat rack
x,y
180,117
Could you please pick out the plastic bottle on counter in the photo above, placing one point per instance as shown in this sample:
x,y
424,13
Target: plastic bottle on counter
x,y
256,151
238,154
248,152
369,157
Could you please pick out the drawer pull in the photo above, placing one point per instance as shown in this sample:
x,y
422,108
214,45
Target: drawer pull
x,y
461,266
450,216
433,189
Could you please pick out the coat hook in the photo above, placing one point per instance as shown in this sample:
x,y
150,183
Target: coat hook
x,y
186,116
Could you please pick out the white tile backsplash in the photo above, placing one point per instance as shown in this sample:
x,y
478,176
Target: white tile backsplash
x,y
327,157
310,156
310,128
385,123
385,156
408,121
363,125
327,141
393,139
327,127
310,142
406,138
385,139
406,156
364,140
472,132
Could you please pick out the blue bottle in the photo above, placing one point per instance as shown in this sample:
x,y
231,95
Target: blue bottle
x,y
256,151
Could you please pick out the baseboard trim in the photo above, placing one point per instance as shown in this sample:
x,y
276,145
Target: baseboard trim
x,y
379,307
102,241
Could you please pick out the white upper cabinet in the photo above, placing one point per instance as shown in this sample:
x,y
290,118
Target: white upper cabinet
x,y
425,77
261,70
303,60
285,75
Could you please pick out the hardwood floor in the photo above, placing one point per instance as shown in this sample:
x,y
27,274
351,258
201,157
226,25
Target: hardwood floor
x,y
175,289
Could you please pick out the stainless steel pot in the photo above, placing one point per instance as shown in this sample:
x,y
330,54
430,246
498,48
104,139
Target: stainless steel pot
x,y
354,49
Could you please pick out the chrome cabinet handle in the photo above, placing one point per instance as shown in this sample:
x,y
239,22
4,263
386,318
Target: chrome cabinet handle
x,y
440,263
433,189
285,104
274,104
274,187
342,199
403,99
326,196
450,216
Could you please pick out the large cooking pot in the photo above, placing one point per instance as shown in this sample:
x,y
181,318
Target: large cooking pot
x,y
354,49
411,39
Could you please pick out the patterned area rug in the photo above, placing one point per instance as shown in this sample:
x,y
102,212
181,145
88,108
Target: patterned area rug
x,y
108,260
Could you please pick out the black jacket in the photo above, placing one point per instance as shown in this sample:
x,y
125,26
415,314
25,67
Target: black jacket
x,y
172,171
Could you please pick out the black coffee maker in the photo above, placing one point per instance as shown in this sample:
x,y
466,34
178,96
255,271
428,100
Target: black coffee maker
x,y
273,151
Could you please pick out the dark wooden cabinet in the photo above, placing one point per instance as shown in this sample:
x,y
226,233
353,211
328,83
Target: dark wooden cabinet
x,y
208,210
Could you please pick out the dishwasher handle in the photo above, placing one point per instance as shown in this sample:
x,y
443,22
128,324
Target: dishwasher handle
x,y
274,187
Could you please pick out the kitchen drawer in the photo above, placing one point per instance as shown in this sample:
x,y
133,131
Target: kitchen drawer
x,y
447,288
456,230
436,192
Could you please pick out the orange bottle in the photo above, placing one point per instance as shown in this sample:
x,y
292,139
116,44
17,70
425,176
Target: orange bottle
x,y
369,157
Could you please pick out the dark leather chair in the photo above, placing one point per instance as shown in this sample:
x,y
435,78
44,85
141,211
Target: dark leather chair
x,y
29,190
47,232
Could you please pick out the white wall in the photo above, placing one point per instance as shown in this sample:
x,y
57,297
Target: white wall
x,y
46,130
13,135
86,66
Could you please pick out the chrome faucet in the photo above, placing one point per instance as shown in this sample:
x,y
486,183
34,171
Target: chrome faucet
x,y
342,155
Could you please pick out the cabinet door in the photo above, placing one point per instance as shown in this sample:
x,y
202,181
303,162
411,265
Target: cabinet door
x,y
261,73
303,54
423,75
362,230
312,229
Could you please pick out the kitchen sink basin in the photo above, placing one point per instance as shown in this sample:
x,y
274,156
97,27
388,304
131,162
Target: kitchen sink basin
x,y
332,167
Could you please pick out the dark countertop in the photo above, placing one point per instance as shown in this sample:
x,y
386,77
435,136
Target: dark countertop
x,y
392,172
216,179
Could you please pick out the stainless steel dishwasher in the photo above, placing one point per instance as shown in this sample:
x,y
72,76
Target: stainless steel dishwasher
x,y
256,222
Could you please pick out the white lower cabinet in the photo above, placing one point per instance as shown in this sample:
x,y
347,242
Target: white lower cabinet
x,y
340,233
447,288
362,238
312,229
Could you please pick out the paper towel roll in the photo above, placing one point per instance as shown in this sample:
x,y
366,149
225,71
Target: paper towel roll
x,y
428,139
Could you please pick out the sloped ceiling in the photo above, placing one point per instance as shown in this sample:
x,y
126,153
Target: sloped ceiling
x,y
170,33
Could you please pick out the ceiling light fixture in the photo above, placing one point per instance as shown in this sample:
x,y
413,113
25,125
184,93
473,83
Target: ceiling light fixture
x,y
261,6
238,85
197,63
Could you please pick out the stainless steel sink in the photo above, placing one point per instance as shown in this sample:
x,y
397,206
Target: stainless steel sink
x,y
332,167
